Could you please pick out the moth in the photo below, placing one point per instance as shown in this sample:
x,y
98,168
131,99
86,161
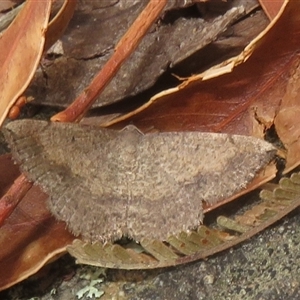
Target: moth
x,y
106,184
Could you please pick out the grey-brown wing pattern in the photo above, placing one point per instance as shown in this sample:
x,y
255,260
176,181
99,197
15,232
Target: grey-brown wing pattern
x,y
174,172
106,184
64,164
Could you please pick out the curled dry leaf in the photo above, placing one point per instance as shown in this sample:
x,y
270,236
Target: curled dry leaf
x,y
256,96
30,237
87,46
214,105
21,47
59,23
286,120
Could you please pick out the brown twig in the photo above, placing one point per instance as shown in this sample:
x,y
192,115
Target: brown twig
x,y
124,48
13,196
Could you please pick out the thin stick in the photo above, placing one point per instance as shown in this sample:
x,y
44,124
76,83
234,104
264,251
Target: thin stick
x,y
124,48
13,196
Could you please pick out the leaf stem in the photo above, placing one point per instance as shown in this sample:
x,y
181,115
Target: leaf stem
x,y
13,196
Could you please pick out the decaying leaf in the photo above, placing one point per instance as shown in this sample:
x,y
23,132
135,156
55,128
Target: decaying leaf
x,y
287,116
107,184
87,49
271,8
59,23
21,47
30,237
211,102
125,47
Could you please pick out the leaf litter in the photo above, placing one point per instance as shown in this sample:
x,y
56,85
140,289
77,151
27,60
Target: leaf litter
x,y
107,184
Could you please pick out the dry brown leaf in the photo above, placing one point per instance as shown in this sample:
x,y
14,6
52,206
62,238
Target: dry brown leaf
x,y
6,5
59,23
287,118
256,95
271,8
123,49
209,101
84,50
10,174
31,237
21,47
